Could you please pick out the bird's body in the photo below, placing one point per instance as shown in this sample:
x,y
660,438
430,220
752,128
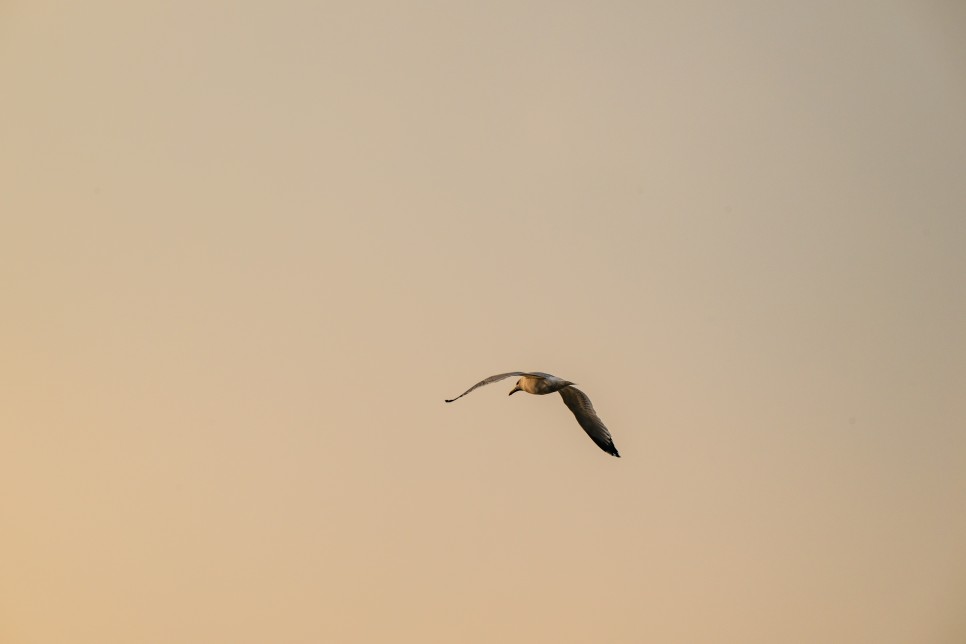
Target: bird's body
x,y
540,384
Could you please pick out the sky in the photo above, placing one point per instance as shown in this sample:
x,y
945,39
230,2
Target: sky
x,y
247,249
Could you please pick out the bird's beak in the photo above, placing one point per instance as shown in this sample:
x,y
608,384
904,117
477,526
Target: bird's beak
x,y
514,390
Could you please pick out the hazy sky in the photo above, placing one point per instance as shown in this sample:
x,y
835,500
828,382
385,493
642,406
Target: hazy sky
x,y
248,248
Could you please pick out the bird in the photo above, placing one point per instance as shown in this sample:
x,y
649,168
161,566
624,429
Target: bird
x,y
538,383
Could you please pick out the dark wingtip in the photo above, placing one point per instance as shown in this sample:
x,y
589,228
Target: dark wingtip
x,y
449,400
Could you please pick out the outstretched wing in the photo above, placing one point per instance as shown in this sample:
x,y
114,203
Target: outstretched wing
x,y
496,378
579,403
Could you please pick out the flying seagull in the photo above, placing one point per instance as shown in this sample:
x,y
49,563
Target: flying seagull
x,y
535,382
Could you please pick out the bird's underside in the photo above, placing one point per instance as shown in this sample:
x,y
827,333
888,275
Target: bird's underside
x,y
539,383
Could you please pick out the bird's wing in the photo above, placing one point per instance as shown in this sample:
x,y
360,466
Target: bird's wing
x,y
579,403
496,378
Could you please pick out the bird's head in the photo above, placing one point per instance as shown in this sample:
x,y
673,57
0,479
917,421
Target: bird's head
x,y
516,387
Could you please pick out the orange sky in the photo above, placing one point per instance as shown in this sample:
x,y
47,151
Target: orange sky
x,y
247,249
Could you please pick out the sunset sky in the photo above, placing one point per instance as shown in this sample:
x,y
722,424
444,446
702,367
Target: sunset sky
x,y
248,248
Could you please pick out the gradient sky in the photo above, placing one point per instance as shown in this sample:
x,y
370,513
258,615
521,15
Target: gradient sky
x,y
248,248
